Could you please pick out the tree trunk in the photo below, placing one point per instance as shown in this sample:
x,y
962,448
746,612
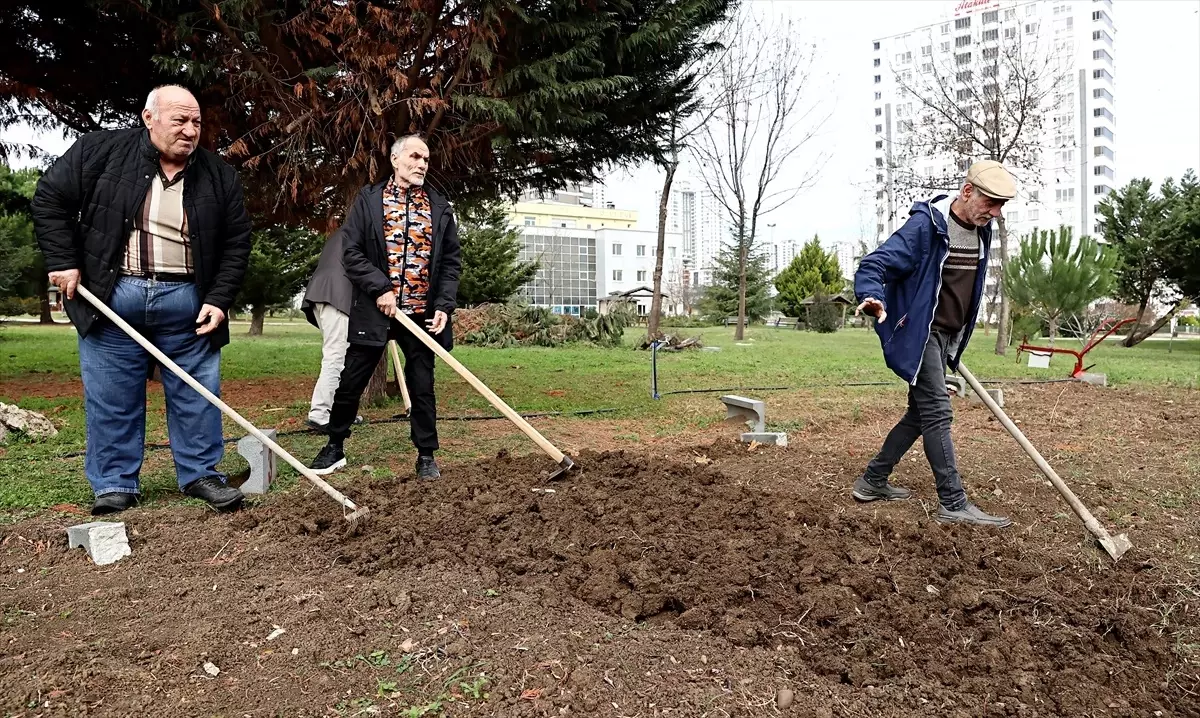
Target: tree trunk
x,y
376,391
740,334
656,302
1131,338
1159,323
45,316
256,320
1002,328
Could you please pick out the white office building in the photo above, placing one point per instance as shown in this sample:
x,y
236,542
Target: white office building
x,y
580,268
965,48
625,260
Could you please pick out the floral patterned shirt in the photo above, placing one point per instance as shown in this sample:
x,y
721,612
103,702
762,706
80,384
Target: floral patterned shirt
x,y
408,230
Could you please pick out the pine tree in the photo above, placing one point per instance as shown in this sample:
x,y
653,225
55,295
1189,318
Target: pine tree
x,y
307,97
813,272
721,297
1056,278
1157,247
282,259
22,268
490,248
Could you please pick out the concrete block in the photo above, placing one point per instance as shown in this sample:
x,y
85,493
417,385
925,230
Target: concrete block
x,y
996,394
770,438
1095,379
262,463
957,384
752,410
104,541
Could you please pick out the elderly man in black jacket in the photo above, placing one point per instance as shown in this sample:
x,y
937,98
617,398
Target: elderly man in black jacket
x,y
156,227
402,255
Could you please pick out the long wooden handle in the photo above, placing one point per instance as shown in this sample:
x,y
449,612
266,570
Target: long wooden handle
x,y
400,376
480,387
215,400
1080,510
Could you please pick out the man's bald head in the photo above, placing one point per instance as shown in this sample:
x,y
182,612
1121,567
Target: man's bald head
x,y
172,115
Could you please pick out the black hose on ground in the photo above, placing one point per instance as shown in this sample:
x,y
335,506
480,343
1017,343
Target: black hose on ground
x,y
396,419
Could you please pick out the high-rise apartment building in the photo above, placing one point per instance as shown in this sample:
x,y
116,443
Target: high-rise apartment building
x,y
967,55
694,213
844,251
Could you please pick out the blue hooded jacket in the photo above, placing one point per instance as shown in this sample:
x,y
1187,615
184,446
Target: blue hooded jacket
x,y
905,273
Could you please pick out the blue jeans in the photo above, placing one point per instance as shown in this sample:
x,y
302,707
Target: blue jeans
x,y
928,417
115,370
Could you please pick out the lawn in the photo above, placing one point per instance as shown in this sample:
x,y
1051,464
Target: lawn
x,y
269,379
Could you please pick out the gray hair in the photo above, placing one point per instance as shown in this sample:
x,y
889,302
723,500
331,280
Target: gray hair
x,y
398,145
152,98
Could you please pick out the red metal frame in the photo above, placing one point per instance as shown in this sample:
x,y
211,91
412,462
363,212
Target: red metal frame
x,y
1092,343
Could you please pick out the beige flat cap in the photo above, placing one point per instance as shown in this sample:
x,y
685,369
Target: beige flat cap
x,y
990,177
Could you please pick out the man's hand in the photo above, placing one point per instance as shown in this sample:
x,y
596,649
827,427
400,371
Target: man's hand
x,y
209,319
438,323
387,303
872,307
66,280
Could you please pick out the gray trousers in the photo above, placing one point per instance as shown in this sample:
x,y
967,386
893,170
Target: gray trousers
x,y
929,416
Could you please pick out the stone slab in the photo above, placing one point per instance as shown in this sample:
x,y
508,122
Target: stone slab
x,y
263,467
104,541
1094,379
770,438
752,410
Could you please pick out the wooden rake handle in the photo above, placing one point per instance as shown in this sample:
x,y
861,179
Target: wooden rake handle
x,y
480,387
1089,521
215,400
400,376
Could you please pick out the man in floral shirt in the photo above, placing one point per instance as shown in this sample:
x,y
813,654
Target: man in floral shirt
x,y
402,255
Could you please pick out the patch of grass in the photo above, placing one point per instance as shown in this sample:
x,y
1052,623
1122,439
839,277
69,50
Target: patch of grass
x,y
36,475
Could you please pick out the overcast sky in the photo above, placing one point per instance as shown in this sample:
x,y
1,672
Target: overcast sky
x,y
1157,105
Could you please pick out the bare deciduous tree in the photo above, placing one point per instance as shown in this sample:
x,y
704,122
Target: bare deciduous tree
x,y
975,101
765,113
684,123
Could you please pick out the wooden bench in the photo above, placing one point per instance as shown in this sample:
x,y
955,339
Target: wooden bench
x,y
786,322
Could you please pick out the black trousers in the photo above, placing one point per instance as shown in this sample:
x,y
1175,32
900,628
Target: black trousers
x,y
361,360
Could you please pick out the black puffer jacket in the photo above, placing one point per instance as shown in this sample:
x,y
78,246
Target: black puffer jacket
x,y
365,260
84,207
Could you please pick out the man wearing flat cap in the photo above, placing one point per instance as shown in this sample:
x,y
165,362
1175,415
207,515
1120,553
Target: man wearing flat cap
x,y
924,286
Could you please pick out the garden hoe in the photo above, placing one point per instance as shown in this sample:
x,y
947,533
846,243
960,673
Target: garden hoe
x,y
1116,546
564,462
353,513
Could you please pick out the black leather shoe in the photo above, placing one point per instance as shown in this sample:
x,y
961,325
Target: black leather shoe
x,y
113,503
427,468
219,495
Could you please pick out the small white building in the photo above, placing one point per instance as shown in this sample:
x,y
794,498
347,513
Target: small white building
x,y
642,298
625,261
